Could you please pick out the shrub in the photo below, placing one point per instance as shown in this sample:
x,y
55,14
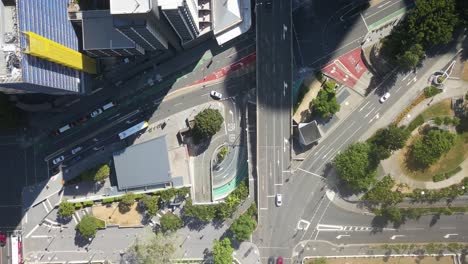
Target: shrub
x,y
325,104
88,203
108,200
66,209
151,204
102,173
78,206
89,225
170,222
128,199
138,196
419,120
438,178
243,227
431,91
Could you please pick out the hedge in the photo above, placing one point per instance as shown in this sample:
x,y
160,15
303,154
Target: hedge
x,y
419,120
443,176
88,203
108,200
78,205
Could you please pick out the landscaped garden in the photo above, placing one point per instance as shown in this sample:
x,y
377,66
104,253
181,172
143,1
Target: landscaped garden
x,y
436,148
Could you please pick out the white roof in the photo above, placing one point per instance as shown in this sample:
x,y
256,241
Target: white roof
x,y
170,4
118,7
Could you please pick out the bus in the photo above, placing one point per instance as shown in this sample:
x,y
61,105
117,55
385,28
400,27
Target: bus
x,y
132,130
15,249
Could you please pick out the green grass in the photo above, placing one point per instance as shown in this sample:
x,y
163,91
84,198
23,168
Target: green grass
x,y
447,164
442,108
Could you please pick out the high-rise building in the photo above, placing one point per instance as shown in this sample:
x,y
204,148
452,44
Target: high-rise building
x,y
137,20
183,17
40,53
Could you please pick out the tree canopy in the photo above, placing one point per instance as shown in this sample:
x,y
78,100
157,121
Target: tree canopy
x,y
391,137
428,149
151,203
102,173
158,249
325,104
243,227
66,209
430,23
222,251
382,193
354,166
170,222
207,123
88,226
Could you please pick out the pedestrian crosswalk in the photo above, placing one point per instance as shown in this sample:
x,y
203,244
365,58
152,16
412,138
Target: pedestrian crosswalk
x,y
338,228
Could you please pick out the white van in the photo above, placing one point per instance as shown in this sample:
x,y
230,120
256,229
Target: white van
x,y
64,128
107,106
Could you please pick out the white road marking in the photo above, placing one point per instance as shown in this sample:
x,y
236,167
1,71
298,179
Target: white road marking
x,y
311,173
307,224
321,227
32,231
406,77
363,106
398,88
45,207
363,20
449,235
40,236
395,236
373,108
326,154
340,236
371,15
448,228
377,116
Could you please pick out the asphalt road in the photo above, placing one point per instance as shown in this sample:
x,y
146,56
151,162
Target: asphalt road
x,y
274,61
306,204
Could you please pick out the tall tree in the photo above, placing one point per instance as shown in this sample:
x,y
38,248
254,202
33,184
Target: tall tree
x,y
243,227
325,104
66,209
354,166
222,251
382,193
207,123
158,249
170,222
427,150
391,137
88,226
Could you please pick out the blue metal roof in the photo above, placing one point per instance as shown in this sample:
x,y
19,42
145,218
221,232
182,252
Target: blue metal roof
x,y
48,18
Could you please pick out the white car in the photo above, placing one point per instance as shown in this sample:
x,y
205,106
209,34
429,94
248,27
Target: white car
x,y
76,150
216,95
278,199
58,160
96,112
384,97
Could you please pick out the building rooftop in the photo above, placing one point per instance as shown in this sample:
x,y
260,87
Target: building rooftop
x,y
148,164
121,7
49,19
308,133
231,18
99,32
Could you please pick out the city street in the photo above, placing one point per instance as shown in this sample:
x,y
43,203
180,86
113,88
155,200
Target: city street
x,y
308,197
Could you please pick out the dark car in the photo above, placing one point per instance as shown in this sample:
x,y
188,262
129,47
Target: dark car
x,y
3,238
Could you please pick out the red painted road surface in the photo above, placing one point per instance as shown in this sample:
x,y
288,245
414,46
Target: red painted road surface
x,y
346,69
223,72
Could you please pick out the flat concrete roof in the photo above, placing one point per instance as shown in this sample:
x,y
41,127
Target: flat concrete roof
x,y
226,14
143,165
121,7
309,132
99,32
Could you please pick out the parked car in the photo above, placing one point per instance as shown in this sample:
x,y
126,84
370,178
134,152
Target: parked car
x,y
76,150
108,105
216,95
96,112
279,199
3,238
279,260
58,160
384,97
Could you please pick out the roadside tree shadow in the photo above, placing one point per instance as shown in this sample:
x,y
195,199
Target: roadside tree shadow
x,y
434,220
194,224
81,241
